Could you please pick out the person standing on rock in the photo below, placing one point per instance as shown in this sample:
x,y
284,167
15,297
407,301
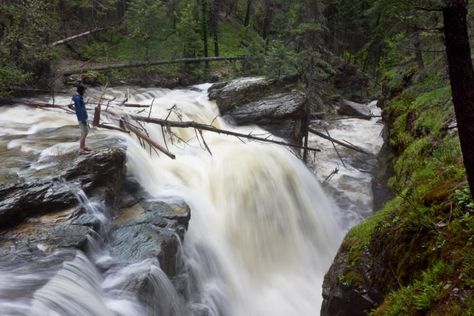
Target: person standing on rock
x,y
81,113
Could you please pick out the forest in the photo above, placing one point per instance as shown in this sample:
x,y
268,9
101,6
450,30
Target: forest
x,y
302,73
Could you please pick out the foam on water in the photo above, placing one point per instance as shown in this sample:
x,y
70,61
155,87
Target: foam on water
x,y
262,233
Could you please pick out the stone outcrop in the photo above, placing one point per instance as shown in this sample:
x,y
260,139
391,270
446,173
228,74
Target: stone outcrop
x,y
52,184
344,296
48,197
272,104
354,109
151,229
280,114
231,94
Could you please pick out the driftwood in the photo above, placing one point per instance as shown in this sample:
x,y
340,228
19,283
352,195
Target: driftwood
x,y
335,148
70,38
114,128
127,127
329,177
105,67
44,105
355,148
132,105
204,127
150,141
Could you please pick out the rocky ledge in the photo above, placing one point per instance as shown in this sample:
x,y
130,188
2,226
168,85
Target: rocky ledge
x,y
53,202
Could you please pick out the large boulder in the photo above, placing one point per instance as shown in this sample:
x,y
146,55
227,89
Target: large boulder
x,y
354,109
273,104
280,114
229,95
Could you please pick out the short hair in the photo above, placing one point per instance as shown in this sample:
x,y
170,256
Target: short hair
x,y
81,88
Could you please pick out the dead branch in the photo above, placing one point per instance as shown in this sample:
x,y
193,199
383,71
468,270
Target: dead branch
x,y
205,144
204,127
106,67
70,38
44,105
132,105
334,172
315,132
335,148
150,141
114,128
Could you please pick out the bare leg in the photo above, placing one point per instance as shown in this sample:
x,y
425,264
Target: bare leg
x,y
82,142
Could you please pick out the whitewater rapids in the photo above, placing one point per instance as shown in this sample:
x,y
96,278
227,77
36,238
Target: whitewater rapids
x,y
262,232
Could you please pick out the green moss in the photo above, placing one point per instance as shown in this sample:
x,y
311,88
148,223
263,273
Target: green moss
x,y
426,234
419,296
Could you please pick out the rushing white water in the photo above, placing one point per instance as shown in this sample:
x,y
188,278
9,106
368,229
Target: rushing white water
x,y
262,231
351,186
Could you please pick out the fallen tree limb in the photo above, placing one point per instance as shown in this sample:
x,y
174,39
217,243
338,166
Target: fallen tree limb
x,y
334,146
132,105
105,67
150,141
114,128
49,105
204,127
315,132
70,38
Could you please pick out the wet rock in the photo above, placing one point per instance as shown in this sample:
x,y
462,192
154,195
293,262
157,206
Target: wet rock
x,y
246,90
151,229
344,296
350,108
46,183
280,114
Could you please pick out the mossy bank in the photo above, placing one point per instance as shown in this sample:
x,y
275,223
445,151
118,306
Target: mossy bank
x,y
415,256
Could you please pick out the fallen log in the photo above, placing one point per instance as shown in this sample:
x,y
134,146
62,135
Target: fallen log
x,y
114,128
70,38
105,67
132,105
44,105
355,148
150,141
198,126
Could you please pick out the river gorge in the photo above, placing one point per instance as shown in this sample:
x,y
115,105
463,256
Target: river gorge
x,y
230,227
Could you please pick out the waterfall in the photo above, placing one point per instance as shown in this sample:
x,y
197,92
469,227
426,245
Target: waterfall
x,y
261,236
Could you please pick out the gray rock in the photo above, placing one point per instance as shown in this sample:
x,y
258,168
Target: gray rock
x,y
245,90
350,108
151,229
280,114
344,298
49,186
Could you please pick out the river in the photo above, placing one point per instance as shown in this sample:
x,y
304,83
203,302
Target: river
x,y
263,230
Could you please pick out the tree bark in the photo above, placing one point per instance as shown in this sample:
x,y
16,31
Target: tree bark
x,y
419,53
247,13
204,28
68,39
461,74
106,67
267,19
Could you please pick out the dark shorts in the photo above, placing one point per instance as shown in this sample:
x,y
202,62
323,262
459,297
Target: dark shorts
x,y
84,127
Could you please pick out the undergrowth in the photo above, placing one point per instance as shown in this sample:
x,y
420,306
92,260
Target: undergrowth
x,y
426,232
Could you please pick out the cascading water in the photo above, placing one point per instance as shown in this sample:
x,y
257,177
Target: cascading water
x,y
261,236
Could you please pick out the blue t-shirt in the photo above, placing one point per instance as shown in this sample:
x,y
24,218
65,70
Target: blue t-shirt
x,y
80,107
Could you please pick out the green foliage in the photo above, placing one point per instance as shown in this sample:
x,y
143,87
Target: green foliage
x,y
147,21
280,60
188,31
463,197
26,30
418,296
